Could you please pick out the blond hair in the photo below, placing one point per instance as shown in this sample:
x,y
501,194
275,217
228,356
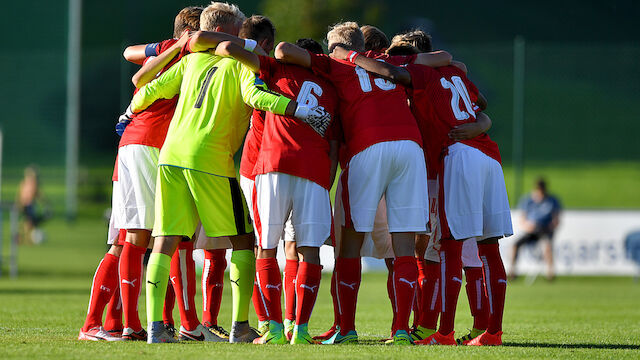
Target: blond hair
x,y
417,38
347,34
221,14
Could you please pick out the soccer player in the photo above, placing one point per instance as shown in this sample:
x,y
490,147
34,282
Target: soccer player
x,y
196,178
374,39
444,98
294,172
384,157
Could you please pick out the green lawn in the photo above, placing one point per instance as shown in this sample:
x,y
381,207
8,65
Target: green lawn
x,y
42,310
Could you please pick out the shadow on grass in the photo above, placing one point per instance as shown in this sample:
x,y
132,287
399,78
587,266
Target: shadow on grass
x,y
573,346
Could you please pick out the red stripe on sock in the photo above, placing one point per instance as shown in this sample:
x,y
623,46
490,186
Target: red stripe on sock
x,y
431,299
270,283
290,273
169,304
183,278
103,287
113,319
451,281
405,280
334,298
131,283
307,286
348,277
215,264
496,284
477,297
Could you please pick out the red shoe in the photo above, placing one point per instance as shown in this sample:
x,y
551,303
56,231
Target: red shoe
x,y
327,335
438,339
487,339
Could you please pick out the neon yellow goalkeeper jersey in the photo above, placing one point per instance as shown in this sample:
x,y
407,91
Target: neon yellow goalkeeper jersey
x,y
213,110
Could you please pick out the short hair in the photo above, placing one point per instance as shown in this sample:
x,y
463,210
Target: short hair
x,y
258,28
347,34
541,184
187,19
220,14
417,38
374,38
402,48
310,45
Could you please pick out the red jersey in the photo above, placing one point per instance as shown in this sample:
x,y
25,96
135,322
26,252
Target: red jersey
x,y
372,110
442,99
252,143
150,126
289,145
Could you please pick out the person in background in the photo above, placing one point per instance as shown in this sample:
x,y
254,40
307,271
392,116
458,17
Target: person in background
x,y
540,218
29,202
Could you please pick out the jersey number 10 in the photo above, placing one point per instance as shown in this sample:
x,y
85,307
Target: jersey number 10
x,y
459,91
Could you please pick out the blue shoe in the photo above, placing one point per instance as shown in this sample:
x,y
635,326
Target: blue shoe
x,y
350,338
401,337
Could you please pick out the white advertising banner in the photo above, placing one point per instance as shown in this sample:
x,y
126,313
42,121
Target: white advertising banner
x,y
587,242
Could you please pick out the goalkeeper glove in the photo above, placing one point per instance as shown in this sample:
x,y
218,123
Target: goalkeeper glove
x,y
316,117
123,121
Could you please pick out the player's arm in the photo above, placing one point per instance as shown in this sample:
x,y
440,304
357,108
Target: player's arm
x,y
292,54
434,58
165,87
247,58
135,53
151,68
470,130
205,40
382,69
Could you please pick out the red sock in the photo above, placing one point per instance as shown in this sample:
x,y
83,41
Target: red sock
x,y
131,282
212,284
290,273
103,286
334,298
348,277
307,285
392,300
496,282
169,304
113,319
270,286
431,300
477,297
405,279
183,277
258,305
451,280
417,302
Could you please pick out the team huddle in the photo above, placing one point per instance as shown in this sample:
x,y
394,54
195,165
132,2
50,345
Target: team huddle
x,y
421,186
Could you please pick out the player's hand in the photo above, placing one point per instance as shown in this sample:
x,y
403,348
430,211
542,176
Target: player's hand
x,y
465,131
183,39
340,53
317,117
123,121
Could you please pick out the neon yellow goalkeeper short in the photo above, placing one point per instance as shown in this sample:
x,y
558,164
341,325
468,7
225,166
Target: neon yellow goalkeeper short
x,y
186,196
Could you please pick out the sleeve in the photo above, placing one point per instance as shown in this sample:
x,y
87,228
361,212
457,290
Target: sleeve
x,y
267,67
165,87
321,64
151,50
256,94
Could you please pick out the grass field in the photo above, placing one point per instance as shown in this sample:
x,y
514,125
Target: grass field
x,y
42,310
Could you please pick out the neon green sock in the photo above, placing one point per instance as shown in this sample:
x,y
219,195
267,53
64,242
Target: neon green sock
x,y
157,280
241,274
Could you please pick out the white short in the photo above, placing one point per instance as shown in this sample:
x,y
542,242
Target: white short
x,y
280,197
397,170
137,171
248,187
113,233
475,195
205,242
377,244
470,256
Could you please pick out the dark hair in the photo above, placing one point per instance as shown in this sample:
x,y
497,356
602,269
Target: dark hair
x,y
310,45
374,38
258,28
541,184
402,49
187,18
